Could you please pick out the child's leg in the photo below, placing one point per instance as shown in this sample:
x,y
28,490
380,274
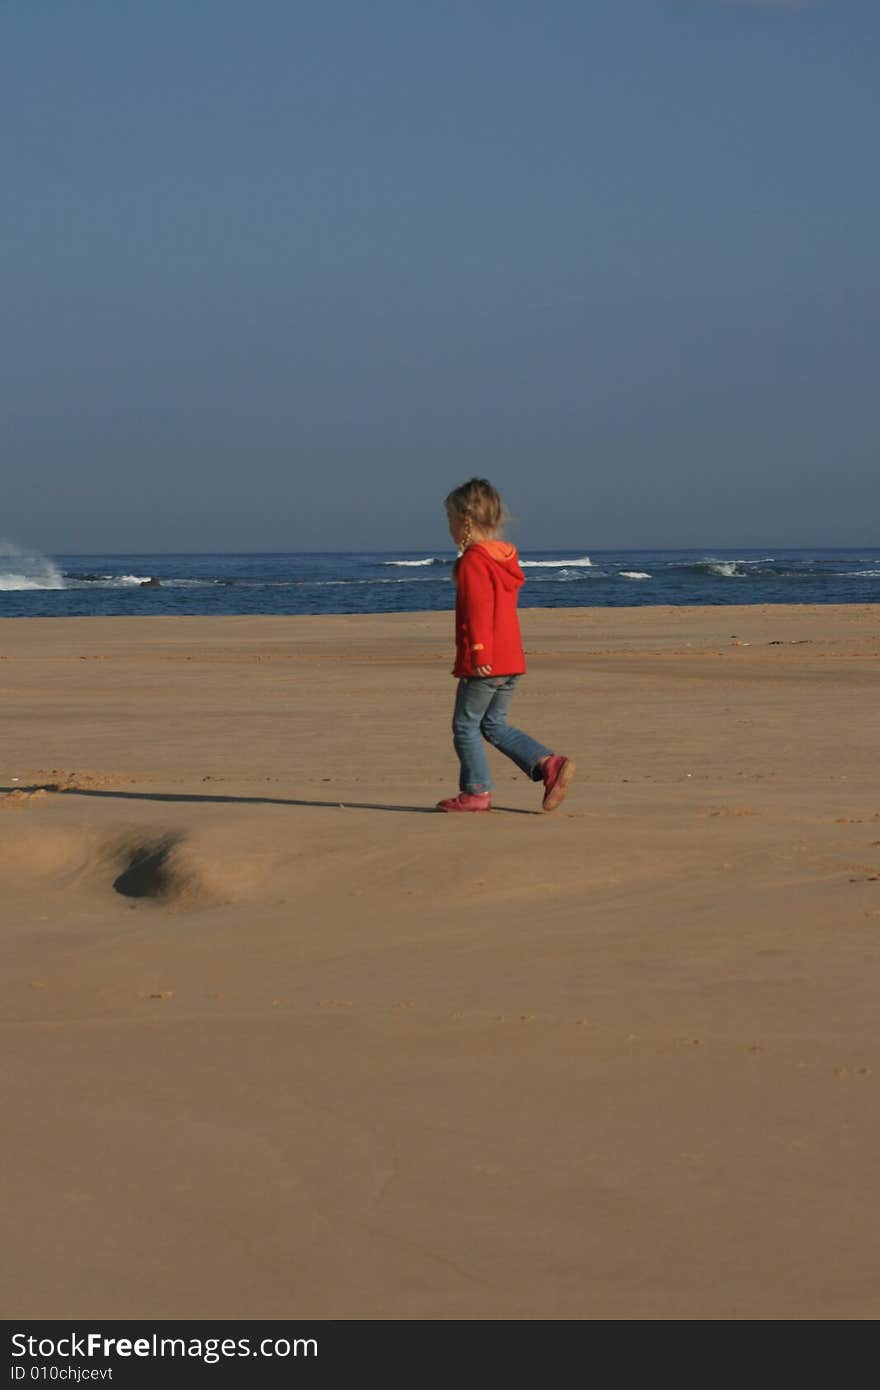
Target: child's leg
x,y
471,701
526,752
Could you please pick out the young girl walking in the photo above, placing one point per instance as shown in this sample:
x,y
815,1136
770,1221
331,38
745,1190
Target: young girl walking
x,y
489,658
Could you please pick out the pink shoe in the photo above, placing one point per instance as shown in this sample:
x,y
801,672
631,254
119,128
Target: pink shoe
x,y
467,801
557,773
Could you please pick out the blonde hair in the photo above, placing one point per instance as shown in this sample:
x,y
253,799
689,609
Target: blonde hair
x,y
476,503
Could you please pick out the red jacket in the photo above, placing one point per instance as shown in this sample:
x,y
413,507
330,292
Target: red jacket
x,y
486,624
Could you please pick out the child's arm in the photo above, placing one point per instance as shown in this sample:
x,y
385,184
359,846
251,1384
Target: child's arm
x,y
478,600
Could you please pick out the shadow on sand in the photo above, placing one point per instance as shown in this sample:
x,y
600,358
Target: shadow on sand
x,y
199,799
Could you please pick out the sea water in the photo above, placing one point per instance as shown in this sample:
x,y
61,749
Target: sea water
x,y
401,582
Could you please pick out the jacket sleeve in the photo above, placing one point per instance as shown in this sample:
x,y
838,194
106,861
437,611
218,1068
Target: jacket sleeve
x,y
477,594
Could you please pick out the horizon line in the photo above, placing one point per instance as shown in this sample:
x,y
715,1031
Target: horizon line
x,y
544,550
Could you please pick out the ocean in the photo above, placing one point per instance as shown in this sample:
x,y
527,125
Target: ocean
x,y
36,586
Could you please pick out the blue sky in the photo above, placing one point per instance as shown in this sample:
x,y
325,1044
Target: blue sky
x,y
278,274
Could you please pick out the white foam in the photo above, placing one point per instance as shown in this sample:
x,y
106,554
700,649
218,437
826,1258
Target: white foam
x,y
22,569
633,574
410,563
726,568
584,563
10,582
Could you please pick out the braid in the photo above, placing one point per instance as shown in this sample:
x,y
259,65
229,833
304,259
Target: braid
x,y
475,503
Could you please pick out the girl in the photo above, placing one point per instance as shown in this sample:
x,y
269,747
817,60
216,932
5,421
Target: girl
x,y
489,657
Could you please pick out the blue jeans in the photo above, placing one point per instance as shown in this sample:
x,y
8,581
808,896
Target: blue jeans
x,y
481,706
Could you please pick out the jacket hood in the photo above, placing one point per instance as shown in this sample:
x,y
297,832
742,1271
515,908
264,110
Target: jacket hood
x,y
504,560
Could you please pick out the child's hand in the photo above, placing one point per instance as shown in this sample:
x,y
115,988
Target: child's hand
x,y
483,670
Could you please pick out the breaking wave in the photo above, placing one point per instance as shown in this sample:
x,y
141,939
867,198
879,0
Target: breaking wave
x,y
413,564
26,569
584,563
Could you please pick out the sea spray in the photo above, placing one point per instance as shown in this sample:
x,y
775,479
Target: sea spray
x,y
26,569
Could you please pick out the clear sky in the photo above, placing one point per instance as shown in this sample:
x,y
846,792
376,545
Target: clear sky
x,y
277,274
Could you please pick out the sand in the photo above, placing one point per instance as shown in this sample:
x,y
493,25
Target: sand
x,y
281,1042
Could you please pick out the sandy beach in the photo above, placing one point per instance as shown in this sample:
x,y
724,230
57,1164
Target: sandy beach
x,y
280,1041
